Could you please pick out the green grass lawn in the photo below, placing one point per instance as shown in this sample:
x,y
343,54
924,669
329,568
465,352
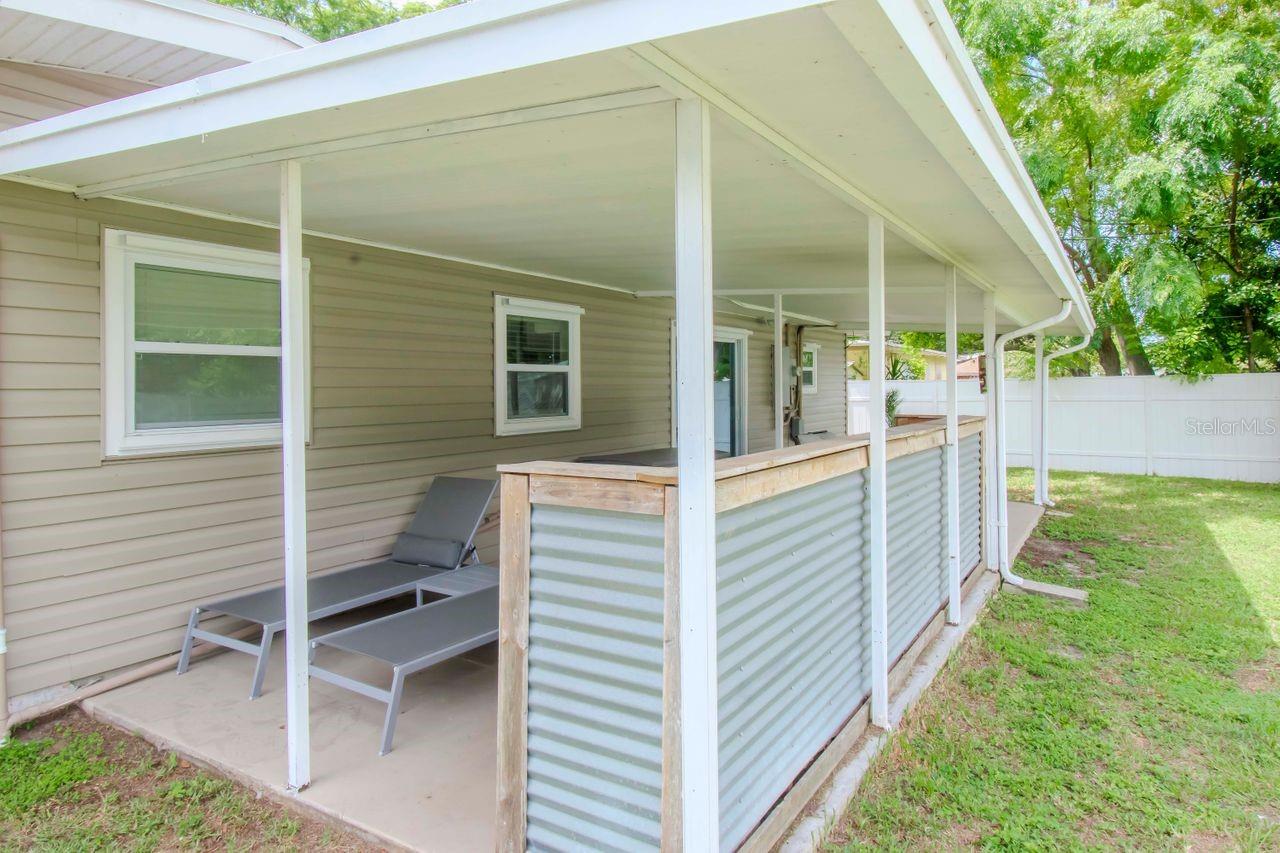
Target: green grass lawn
x,y
1149,719
72,784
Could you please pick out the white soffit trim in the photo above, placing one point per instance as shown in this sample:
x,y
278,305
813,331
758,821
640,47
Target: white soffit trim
x,y
451,45
194,24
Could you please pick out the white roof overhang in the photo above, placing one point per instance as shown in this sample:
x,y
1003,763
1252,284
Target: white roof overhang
x,y
537,135
156,42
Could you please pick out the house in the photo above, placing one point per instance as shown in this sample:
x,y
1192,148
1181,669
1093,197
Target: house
x,y
970,367
857,357
249,316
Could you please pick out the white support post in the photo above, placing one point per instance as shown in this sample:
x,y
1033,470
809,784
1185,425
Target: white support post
x,y
989,476
781,382
953,456
699,716
293,414
1037,420
878,521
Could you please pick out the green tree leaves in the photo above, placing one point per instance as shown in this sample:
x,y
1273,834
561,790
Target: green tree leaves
x,y
1152,130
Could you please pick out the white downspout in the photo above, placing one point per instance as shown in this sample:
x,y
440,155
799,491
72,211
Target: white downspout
x,y
1002,464
1038,396
989,477
1044,417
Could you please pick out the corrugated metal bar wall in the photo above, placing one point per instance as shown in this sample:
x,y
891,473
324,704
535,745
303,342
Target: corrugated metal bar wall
x,y
595,680
970,503
794,659
917,547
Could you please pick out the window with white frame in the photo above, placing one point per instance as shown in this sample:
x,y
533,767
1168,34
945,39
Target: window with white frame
x,y
192,345
537,369
809,368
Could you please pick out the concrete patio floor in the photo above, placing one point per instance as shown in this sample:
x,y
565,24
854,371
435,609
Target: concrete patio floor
x,y
434,791
1023,518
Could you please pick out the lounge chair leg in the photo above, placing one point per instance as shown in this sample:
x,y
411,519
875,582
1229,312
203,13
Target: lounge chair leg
x,y
393,708
184,659
260,671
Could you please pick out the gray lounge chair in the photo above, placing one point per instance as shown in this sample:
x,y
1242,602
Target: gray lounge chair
x,y
439,539
412,640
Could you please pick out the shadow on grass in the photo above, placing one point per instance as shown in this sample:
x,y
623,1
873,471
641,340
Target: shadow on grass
x,y
1151,718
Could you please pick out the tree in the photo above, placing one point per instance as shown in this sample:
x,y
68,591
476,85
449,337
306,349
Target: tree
x,y
1209,195
330,19
1148,127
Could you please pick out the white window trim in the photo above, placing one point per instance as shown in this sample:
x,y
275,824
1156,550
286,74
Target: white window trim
x,y
505,305
810,389
122,251
722,334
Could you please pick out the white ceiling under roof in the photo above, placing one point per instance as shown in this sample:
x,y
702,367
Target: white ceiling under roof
x,y
820,114
57,56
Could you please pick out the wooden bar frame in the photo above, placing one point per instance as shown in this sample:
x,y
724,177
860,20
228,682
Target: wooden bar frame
x,y
513,663
653,491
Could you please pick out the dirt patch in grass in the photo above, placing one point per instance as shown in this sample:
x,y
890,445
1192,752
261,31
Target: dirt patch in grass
x,y
1262,676
1055,553
72,783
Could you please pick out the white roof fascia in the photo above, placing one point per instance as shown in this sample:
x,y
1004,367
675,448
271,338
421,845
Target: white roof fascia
x,y
195,24
933,41
451,45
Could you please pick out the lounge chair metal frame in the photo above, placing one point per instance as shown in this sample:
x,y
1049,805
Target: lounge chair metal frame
x,y
403,578
473,588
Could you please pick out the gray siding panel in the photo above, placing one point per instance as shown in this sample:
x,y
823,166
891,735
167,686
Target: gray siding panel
x,y
595,680
970,502
793,610
917,546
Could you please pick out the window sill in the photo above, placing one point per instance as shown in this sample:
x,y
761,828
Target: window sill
x,y
533,427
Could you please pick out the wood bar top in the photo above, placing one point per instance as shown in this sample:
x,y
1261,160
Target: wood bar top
x,y
737,466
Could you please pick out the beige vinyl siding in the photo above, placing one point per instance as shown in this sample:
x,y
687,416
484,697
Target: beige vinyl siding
x,y
759,381
103,559
827,408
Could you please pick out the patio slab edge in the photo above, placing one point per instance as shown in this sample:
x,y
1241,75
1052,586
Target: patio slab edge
x,y
277,794
810,832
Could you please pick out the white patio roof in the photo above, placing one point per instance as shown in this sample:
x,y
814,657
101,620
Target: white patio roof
x,y
537,135
155,42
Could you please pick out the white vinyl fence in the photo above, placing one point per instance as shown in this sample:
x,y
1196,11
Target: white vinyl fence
x,y
1226,427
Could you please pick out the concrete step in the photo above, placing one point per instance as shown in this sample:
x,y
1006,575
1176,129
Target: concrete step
x,y
1078,597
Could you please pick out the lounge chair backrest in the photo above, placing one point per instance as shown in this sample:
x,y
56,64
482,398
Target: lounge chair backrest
x,y
445,523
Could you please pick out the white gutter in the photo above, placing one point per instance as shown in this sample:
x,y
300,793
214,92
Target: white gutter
x,y
1043,497
1002,477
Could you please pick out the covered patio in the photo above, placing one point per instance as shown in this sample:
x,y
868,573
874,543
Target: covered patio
x,y
810,165
435,791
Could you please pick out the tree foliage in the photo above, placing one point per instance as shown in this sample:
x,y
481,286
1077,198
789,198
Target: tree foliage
x,y
1152,130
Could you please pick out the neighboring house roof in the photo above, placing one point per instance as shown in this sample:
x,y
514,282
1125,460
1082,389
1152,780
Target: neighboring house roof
x,y
57,56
